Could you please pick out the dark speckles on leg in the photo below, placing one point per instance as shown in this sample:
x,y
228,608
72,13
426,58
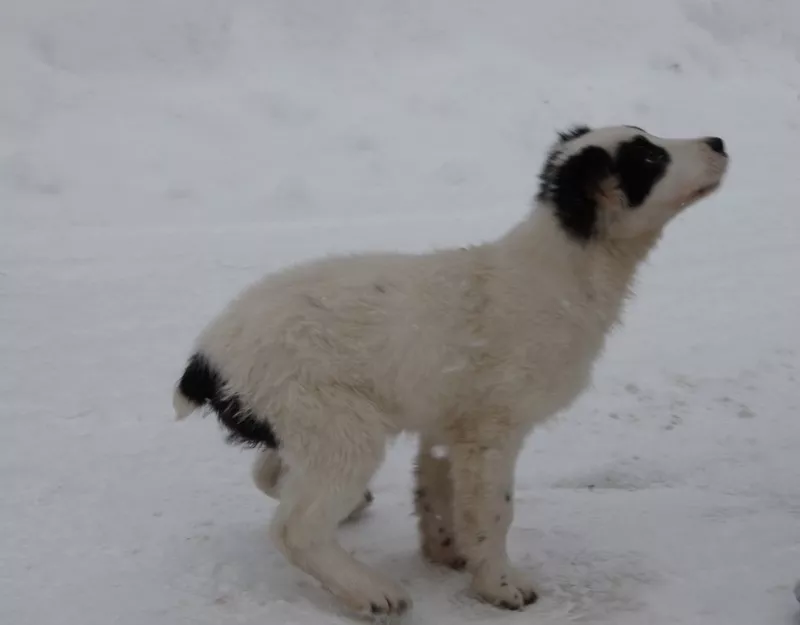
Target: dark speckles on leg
x,y
427,509
447,542
480,538
508,497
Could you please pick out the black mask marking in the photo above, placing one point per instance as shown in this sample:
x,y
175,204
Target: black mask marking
x,y
640,164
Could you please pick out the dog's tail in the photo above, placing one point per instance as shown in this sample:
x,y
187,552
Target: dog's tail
x,y
198,385
202,385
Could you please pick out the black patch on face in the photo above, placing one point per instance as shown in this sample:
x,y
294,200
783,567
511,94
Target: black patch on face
x,y
201,383
572,188
640,164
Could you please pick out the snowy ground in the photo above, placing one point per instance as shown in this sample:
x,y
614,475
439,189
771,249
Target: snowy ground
x,y
157,155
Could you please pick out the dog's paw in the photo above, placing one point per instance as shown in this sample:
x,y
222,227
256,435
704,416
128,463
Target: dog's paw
x,y
504,588
380,598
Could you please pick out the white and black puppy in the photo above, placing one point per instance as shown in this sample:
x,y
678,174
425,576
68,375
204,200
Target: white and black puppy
x,y
325,362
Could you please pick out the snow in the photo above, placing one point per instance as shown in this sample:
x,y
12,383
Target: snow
x,y
158,155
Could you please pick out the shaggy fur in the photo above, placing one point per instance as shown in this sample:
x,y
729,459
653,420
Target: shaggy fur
x,y
325,362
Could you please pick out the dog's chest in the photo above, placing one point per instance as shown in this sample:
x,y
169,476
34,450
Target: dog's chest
x,y
552,357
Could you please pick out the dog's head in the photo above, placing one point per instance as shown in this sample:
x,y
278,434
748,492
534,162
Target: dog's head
x,y
621,182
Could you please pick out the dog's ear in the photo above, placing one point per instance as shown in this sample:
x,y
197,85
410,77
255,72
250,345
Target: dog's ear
x,y
576,189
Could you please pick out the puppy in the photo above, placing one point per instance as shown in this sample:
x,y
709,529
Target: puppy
x,y
323,363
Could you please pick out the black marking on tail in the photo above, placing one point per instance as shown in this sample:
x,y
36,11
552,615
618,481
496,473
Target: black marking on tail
x,y
243,428
199,382
202,384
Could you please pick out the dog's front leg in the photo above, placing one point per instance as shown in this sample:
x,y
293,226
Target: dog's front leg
x,y
483,476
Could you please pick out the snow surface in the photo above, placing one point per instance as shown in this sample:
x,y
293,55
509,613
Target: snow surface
x,y
158,155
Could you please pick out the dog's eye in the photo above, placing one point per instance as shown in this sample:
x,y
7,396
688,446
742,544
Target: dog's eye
x,y
654,157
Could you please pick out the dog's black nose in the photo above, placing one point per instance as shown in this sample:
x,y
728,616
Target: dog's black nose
x,y
716,144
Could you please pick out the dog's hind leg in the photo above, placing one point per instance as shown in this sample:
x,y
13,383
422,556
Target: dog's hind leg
x,y
332,456
269,472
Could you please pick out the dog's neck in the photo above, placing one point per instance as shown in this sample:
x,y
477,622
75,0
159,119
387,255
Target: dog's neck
x,y
600,273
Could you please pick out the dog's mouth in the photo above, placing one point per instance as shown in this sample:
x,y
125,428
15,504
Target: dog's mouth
x,y
702,192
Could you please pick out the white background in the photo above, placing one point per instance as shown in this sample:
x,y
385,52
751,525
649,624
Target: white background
x,y
158,155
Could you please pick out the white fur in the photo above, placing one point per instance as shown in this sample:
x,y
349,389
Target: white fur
x,y
469,347
269,474
182,406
